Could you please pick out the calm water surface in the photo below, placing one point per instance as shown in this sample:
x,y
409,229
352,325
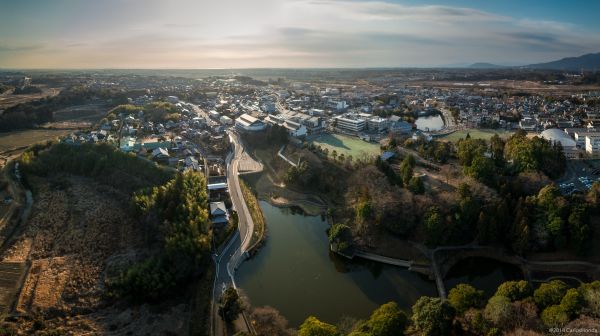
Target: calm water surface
x,y
430,123
296,274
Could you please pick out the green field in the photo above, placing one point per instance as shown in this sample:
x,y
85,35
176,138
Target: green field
x,y
476,134
347,145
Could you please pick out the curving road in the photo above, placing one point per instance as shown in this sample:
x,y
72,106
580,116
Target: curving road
x,y
233,253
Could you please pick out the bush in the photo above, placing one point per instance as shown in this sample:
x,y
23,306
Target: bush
x,y
549,293
463,297
555,316
515,290
387,320
572,303
432,316
499,310
313,327
591,298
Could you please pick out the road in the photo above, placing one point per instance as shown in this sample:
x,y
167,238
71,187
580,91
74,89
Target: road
x,y
228,258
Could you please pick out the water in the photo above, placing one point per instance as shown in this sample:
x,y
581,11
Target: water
x,y
430,123
296,274
482,273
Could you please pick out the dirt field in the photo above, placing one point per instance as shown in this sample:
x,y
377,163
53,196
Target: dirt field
x,y
7,99
77,230
17,139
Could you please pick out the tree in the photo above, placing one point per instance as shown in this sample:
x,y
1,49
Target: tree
x,y
230,305
432,316
387,320
416,185
555,316
482,169
497,150
515,290
406,169
334,155
549,293
340,236
572,302
590,293
433,227
313,327
463,297
469,149
499,310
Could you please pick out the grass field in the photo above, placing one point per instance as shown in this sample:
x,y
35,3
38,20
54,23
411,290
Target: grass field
x,y
17,139
347,145
485,134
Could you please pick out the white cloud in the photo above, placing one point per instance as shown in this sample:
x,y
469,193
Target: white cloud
x,y
302,33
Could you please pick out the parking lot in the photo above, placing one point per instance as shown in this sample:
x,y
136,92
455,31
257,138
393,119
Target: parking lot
x,y
580,175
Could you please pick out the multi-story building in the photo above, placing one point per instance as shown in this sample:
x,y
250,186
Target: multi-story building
x,y
592,144
377,124
350,122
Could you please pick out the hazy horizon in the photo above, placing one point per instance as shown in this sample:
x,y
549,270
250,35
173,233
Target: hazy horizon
x,y
291,34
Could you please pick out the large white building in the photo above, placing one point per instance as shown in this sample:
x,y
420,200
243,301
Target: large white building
x,y
569,145
246,122
350,122
592,144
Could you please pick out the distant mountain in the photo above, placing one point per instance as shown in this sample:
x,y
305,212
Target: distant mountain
x,y
482,65
586,62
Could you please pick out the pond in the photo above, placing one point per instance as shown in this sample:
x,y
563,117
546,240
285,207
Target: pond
x,y
433,122
482,273
296,273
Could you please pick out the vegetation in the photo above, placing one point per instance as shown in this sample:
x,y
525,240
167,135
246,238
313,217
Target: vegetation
x,y
432,316
101,162
463,297
178,214
230,305
255,212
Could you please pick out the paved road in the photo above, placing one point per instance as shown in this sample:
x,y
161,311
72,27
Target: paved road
x,y
229,257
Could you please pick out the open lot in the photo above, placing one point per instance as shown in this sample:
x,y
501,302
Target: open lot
x,y
485,134
347,145
17,139
8,99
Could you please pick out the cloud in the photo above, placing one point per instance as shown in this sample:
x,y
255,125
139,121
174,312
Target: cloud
x,y
16,48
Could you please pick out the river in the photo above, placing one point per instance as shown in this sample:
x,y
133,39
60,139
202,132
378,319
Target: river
x,y
295,273
433,122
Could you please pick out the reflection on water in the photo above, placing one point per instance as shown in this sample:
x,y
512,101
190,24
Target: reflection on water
x,y
297,274
482,273
430,123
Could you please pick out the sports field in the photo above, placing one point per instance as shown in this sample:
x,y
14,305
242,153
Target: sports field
x,y
485,134
347,145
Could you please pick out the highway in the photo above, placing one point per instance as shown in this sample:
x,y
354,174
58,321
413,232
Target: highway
x,y
228,258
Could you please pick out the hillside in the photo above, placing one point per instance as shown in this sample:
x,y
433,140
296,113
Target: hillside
x,y
586,62
483,65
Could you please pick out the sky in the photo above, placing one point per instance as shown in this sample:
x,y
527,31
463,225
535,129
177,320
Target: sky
x,y
209,34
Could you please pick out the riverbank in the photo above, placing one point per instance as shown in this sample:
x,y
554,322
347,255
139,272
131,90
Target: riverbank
x,y
260,229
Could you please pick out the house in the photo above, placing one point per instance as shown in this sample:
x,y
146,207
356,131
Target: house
x,y
128,144
218,213
160,154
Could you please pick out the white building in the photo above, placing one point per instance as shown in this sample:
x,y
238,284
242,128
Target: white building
x,y
592,144
350,122
246,122
569,145
295,129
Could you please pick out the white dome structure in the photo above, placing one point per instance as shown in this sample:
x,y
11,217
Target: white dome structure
x,y
557,135
569,145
